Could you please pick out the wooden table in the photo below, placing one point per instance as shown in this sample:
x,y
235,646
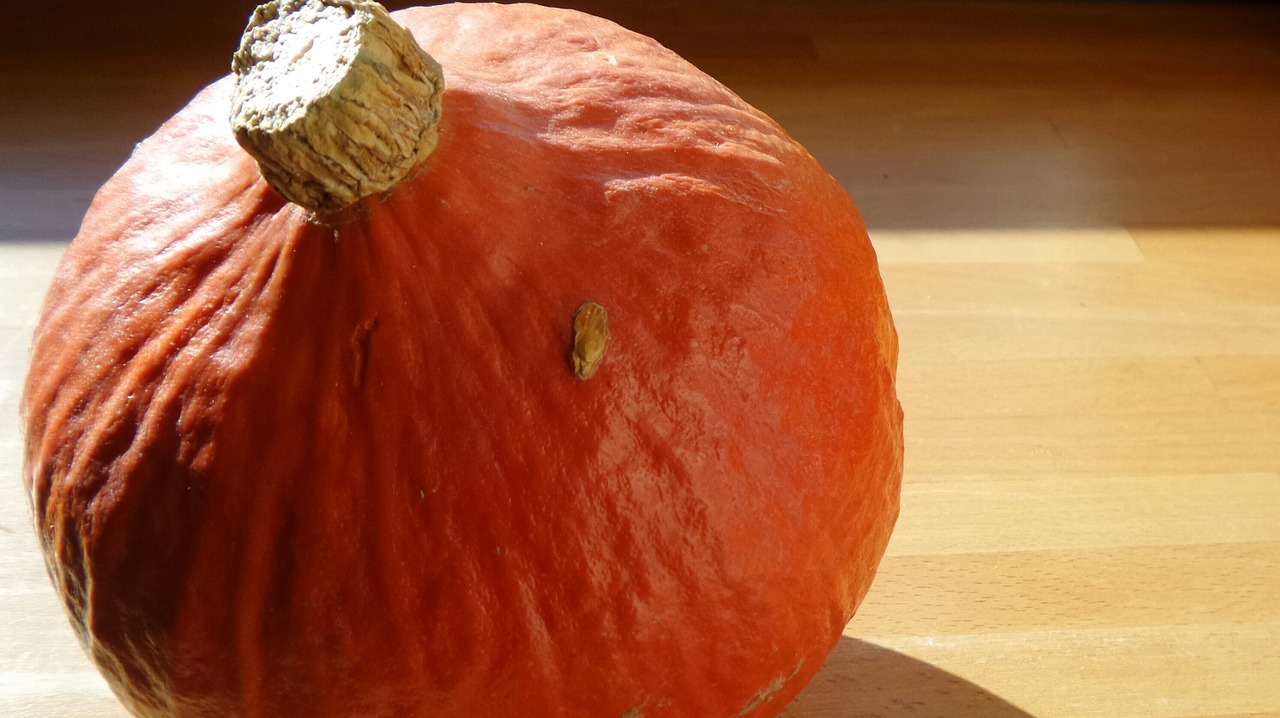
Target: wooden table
x,y
1077,208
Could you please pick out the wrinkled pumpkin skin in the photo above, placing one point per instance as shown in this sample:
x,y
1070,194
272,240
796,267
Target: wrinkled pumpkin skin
x,y
290,468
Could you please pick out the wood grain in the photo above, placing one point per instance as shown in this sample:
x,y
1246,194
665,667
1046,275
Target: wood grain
x,y
1077,211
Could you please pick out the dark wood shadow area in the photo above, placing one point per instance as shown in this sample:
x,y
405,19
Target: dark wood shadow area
x,y
935,115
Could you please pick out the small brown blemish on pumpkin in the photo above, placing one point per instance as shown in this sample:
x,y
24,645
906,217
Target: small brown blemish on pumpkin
x,y
766,694
590,339
360,340
637,711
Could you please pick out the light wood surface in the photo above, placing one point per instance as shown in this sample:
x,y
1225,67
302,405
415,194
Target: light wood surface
x,y
1077,209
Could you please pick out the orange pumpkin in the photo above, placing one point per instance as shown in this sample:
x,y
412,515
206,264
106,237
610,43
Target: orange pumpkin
x,y
372,459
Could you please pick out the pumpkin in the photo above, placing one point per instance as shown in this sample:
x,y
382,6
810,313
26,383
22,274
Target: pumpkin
x,y
565,390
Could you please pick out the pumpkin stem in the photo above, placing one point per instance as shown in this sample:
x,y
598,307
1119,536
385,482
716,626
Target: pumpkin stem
x,y
334,99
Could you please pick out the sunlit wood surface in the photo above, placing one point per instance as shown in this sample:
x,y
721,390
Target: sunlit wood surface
x,y
1077,210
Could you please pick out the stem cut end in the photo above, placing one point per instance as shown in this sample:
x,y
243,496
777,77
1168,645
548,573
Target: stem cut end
x,y
334,99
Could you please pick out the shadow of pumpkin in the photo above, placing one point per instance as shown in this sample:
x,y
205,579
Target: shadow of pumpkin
x,y
863,680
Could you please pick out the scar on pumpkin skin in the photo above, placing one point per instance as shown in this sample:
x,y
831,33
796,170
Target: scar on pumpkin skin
x,y
638,711
360,340
767,693
590,339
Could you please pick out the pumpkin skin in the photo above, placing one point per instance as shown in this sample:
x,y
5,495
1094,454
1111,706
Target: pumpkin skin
x,y
284,465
